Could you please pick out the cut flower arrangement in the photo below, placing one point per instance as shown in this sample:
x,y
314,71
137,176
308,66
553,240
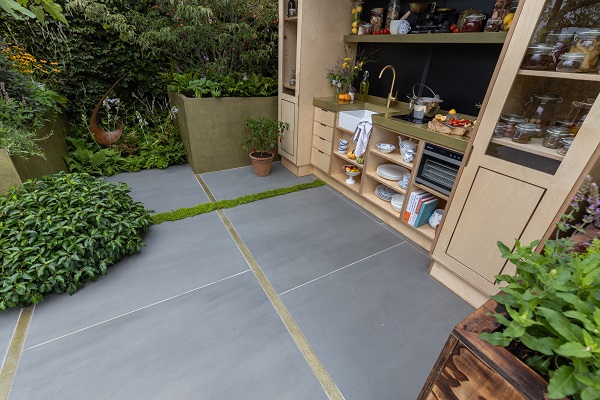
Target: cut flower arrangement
x,y
347,70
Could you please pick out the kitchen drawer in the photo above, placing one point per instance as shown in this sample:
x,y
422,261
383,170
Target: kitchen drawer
x,y
320,160
324,131
321,144
324,116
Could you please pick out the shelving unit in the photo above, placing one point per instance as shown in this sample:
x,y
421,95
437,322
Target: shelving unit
x,y
391,184
533,147
384,205
560,75
474,38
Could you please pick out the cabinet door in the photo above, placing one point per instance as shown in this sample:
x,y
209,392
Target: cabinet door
x,y
288,114
498,209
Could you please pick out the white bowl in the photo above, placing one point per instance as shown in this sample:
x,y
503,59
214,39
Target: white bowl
x,y
385,147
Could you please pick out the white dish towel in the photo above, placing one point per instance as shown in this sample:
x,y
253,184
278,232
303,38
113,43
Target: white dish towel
x,y
362,134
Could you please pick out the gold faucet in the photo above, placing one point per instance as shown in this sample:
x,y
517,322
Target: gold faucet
x,y
390,97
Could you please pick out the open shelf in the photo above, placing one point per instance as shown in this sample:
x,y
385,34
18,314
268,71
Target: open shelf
x,y
291,19
430,190
475,38
290,87
384,205
341,178
347,160
425,230
394,157
391,184
561,75
533,147
339,128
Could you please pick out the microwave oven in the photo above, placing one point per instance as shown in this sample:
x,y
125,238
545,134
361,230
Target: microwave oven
x,y
438,168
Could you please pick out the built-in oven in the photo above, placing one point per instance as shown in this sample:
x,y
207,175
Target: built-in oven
x,y
438,168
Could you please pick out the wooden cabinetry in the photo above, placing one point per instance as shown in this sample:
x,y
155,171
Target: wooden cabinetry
x,y
304,53
510,190
321,140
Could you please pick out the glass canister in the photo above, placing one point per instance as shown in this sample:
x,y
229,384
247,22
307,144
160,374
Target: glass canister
x,y
587,43
553,136
570,62
561,42
499,129
377,18
393,13
577,114
539,57
473,23
565,145
510,123
357,8
541,109
493,25
525,132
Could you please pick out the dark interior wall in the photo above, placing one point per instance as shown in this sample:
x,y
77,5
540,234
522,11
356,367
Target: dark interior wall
x,y
459,73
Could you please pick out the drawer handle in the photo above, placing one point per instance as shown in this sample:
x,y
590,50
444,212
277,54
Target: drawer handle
x,y
320,151
322,124
321,138
324,110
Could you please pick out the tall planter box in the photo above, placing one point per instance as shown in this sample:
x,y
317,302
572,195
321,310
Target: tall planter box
x,y
14,169
471,368
211,128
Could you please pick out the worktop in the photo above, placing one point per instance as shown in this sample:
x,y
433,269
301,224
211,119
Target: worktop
x,y
385,120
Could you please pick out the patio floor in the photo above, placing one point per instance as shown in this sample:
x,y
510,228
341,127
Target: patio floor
x,y
302,296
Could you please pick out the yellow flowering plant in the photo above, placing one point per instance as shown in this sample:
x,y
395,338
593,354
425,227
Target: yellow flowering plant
x,y
347,69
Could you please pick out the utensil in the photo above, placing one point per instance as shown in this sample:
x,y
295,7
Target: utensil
x,y
423,107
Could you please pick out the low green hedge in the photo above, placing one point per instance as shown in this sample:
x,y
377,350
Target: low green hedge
x,y
60,231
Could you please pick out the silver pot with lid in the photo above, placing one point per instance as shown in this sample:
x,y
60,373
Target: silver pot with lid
x,y
423,107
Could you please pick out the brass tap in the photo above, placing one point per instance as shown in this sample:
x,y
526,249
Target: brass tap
x,y
390,97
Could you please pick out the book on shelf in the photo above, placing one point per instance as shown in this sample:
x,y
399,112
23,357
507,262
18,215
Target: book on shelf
x,y
410,206
418,204
427,208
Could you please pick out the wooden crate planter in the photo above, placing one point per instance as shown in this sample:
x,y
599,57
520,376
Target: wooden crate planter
x,y
211,128
470,368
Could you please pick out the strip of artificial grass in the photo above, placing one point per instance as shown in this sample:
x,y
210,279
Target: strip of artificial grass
x,y
187,212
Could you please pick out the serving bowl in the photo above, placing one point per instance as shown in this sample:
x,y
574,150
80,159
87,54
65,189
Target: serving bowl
x,y
385,147
351,171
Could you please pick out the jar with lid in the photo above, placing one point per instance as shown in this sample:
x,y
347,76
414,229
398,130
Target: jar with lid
x,y
357,8
493,25
561,42
393,13
365,29
577,115
473,23
541,109
553,136
510,124
570,62
499,129
565,145
587,43
525,132
377,18
539,57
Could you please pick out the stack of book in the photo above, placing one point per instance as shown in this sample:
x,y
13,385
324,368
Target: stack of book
x,y
420,206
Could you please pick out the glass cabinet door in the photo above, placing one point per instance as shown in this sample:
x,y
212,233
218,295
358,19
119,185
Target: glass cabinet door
x,y
554,90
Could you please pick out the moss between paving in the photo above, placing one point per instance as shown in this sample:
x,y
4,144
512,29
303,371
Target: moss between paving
x,y
187,212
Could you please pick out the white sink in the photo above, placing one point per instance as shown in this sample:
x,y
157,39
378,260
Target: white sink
x,y
349,119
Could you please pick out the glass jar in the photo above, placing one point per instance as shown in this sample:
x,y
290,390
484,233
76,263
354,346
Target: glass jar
x,y
357,8
577,115
525,132
587,43
510,124
553,136
499,129
365,29
570,62
473,23
541,109
393,13
565,145
539,57
377,18
493,25
561,42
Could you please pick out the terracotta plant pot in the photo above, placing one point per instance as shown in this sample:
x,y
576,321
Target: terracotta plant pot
x,y
262,165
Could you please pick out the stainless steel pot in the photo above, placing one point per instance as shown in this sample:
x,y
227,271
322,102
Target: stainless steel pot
x,y
423,107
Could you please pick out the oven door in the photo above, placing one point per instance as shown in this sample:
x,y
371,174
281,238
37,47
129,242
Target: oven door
x,y
438,168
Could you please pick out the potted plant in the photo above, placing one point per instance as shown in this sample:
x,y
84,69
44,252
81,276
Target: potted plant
x,y
540,337
260,139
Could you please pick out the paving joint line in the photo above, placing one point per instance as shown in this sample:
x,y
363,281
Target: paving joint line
x,y
15,349
330,388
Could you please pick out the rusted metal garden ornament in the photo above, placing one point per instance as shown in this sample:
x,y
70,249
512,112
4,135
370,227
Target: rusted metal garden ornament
x,y
100,135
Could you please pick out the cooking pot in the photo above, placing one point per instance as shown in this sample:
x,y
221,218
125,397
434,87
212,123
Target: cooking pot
x,y
423,107
421,8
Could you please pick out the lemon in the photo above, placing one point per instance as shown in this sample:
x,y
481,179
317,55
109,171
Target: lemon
x,y
354,11
355,24
359,8
354,31
453,111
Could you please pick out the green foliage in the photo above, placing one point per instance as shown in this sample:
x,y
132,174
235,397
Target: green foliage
x,y
553,306
38,10
194,84
263,134
183,213
60,231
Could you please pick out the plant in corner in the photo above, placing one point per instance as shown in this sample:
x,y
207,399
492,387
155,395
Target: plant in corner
x,y
260,139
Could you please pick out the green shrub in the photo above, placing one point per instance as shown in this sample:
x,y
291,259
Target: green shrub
x,y
195,84
262,134
60,231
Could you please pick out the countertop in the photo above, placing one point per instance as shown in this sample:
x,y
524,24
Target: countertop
x,y
383,119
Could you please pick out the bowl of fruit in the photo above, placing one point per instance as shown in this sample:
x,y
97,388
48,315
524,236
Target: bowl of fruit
x,y
351,171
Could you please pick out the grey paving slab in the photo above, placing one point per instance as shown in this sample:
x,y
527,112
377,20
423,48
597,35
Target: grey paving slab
x,y
236,182
378,326
164,189
304,235
221,342
8,321
179,256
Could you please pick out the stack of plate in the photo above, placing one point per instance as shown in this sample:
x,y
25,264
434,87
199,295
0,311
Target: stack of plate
x,y
392,172
384,192
397,201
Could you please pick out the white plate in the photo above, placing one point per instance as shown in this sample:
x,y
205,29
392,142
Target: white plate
x,y
391,171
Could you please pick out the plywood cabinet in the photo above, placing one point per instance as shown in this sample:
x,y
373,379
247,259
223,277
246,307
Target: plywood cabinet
x,y
511,188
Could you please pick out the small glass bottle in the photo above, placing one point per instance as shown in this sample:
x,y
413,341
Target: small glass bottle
x,y
363,88
292,10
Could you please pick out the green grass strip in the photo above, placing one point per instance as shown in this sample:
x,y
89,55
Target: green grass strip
x,y
187,212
